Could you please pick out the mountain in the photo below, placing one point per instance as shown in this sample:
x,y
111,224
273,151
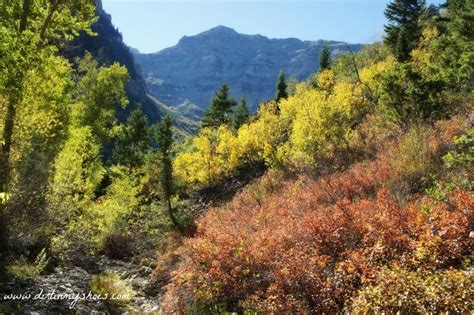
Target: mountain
x,y
107,47
197,66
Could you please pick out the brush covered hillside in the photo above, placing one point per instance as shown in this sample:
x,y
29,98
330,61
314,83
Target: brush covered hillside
x,y
367,203
350,192
196,66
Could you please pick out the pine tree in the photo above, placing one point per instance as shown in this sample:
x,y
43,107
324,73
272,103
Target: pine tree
x,y
133,141
281,87
403,30
164,137
241,114
220,109
325,58
402,51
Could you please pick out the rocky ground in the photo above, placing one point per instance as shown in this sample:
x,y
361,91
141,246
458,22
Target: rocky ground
x,y
75,280
137,271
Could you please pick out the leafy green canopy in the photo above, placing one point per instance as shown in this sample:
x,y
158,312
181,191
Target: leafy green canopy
x,y
31,32
133,141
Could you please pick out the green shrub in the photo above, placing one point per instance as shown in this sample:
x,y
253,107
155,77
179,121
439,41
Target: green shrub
x,y
411,96
460,160
23,269
411,161
111,286
403,291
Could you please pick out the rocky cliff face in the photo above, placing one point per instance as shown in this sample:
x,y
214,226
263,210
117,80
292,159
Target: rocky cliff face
x,y
198,65
108,47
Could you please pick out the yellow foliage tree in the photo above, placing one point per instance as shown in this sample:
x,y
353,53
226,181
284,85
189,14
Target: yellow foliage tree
x,y
321,120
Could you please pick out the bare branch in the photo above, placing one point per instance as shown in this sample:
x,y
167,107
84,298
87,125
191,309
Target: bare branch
x,y
356,69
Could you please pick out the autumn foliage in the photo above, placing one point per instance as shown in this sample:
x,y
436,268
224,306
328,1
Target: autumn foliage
x,y
342,241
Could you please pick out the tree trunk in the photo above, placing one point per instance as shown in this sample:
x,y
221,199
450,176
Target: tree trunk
x,y
3,242
172,217
24,15
13,100
7,143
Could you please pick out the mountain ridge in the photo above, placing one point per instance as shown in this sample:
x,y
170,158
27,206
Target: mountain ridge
x,y
193,69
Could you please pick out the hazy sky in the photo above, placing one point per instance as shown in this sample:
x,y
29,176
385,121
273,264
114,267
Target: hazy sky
x,y
151,25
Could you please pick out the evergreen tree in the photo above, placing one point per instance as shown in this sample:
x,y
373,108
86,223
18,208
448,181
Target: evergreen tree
x,y
403,30
241,114
281,87
133,141
220,109
164,137
325,58
402,51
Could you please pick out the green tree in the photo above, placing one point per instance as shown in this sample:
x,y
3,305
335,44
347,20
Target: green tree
x,y
98,92
241,114
281,87
164,137
453,51
403,31
461,18
133,141
78,167
30,31
325,58
220,110
402,51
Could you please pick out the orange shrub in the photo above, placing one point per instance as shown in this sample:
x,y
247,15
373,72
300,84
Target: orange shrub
x,y
311,248
313,245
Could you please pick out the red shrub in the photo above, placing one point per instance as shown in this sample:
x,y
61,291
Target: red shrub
x,y
314,243
300,252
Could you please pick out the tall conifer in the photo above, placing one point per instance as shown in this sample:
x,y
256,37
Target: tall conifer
x,y
403,31
220,109
325,58
281,87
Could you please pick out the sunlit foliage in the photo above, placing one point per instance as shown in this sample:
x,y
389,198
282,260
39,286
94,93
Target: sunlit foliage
x,y
310,245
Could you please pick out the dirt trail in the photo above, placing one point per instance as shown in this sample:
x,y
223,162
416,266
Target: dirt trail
x,y
75,280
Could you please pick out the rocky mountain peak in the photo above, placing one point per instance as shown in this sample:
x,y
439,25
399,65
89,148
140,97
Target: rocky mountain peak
x,y
192,70
219,30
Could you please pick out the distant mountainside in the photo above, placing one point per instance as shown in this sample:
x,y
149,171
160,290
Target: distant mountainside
x,y
107,47
197,66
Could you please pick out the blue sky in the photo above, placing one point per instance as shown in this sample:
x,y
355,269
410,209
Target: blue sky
x,y
151,25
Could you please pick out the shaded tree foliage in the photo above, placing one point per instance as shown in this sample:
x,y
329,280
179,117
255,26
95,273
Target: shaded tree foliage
x,y
220,110
164,137
133,141
241,114
403,30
